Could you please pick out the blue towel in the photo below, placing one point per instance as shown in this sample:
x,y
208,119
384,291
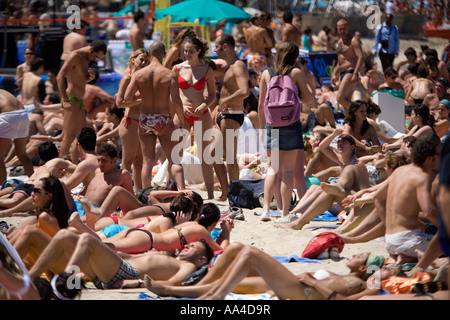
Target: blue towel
x,y
327,216
294,258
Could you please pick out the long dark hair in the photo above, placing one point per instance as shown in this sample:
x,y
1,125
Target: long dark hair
x,y
57,206
423,111
351,119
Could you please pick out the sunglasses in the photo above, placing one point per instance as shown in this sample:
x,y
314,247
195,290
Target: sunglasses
x,y
39,191
28,53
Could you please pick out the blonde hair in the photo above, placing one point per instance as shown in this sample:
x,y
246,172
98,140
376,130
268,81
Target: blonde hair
x,y
136,54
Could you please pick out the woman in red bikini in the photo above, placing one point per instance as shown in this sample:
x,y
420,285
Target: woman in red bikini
x,y
198,92
128,129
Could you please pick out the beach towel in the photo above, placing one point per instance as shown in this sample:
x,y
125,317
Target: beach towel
x,y
295,258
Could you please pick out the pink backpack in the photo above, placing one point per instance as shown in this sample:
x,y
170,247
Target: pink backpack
x,y
282,104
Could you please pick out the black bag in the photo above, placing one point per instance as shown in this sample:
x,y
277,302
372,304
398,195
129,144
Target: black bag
x,y
245,193
384,44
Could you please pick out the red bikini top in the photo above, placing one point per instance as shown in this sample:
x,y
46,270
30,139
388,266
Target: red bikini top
x,y
199,85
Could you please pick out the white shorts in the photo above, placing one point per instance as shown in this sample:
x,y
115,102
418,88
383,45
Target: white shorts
x,y
14,124
406,242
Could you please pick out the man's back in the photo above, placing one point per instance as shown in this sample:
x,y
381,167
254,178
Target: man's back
x,y
290,33
154,83
402,204
257,39
72,41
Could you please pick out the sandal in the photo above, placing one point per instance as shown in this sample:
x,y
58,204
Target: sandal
x,y
428,287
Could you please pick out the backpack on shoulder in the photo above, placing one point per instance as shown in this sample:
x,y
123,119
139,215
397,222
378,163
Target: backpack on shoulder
x,y
282,104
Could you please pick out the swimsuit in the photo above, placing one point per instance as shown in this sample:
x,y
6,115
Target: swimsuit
x,y
199,85
14,124
153,123
126,272
350,71
127,120
406,242
237,116
258,63
26,189
183,240
80,101
192,119
145,231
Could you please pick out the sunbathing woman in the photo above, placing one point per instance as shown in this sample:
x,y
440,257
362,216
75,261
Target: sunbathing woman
x,y
182,209
140,240
358,127
134,212
254,271
128,129
198,92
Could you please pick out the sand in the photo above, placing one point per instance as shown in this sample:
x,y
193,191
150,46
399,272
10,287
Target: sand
x,y
276,241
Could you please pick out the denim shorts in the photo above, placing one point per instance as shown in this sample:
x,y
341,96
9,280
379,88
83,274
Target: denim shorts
x,y
288,138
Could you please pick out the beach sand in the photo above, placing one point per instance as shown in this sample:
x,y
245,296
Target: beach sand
x,y
272,240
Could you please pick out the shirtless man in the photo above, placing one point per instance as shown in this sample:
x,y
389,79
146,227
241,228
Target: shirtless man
x,y
350,61
33,86
419,88
137,35
157,112
95,98
85,170
101,264
14,124
410,203
77,72
290,32
74,41
259,42
29,55
234,90
107,176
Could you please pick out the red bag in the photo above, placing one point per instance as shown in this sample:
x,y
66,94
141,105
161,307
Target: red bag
x,y
320,243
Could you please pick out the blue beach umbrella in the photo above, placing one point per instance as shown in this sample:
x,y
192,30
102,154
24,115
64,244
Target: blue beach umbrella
x,y
208,12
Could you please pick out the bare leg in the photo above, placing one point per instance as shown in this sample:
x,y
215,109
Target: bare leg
x,y
94,258
288,160
148,143
322,203
73,120
24,206
32,241
62,245
21,151
278,278
345,91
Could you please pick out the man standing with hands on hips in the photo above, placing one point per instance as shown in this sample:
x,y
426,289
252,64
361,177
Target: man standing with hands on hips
x,y
387,42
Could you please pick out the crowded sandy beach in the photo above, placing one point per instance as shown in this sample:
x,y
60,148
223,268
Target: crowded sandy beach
x,y
191,182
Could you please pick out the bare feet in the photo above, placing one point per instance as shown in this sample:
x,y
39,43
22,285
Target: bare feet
x,y
223,197
155,287
294,225
92,213
334,189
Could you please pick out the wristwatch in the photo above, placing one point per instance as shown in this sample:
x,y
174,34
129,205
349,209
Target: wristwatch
x,y
140,283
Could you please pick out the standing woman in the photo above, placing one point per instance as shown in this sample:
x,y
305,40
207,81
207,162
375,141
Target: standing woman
x,y
356,125
290,142
174,54
129,127
198,92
